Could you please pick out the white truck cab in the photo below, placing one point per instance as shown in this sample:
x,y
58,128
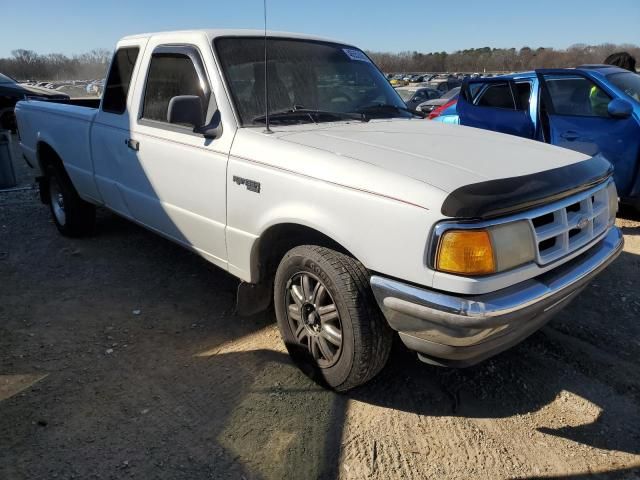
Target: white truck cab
x,y
355,217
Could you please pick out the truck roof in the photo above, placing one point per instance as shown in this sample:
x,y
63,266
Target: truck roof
x,y
222,32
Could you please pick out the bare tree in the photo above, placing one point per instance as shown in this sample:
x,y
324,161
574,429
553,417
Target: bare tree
x,y
27,64
498,59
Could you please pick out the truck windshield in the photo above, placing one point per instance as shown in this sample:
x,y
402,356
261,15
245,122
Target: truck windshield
x,y
628,82
306,76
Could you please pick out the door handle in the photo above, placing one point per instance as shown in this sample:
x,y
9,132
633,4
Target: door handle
x,y
570,135
133,144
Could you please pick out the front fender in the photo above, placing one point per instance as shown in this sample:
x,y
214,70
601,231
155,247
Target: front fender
x,y
387,235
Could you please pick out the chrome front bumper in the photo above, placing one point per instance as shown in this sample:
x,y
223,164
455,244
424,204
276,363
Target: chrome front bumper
x,y
464,330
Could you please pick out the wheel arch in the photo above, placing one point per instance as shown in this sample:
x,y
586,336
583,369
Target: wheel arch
x,y
279,238
265,255
47,155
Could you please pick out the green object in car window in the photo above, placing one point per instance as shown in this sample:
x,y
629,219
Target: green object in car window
x,y
599,102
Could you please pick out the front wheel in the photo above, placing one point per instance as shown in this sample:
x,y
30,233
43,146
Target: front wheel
x,y
328,317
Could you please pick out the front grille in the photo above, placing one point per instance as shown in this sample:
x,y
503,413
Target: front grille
x,y
571,225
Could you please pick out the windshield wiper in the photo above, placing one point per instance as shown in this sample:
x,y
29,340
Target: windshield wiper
x,y
310,113
388,108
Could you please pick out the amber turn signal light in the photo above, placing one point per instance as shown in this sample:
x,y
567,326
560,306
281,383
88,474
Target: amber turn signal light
x,y
466,252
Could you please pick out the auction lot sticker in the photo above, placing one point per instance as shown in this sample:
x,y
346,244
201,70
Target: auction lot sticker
x,y
354,54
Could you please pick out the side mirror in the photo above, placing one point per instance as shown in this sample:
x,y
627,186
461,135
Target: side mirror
x,y
619,108
213,129
186,110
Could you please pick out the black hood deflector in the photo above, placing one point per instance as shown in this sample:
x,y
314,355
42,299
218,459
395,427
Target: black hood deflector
x,y
506,196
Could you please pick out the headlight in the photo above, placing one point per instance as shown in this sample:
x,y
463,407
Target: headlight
x,y
467,252
485,251
613,202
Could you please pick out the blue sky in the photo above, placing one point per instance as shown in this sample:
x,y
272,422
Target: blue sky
x,y
73,26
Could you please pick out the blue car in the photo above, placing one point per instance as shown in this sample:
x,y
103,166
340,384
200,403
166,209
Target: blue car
x,y
593,109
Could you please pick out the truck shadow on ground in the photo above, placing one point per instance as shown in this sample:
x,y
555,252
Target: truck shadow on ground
x,y
150,374
631,230
588,351
586,354
629,213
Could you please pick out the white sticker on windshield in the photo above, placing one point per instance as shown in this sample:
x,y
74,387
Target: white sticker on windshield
x,y
354,54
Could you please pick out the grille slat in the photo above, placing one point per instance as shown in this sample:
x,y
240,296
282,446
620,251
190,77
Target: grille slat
x,y
549,231
570,227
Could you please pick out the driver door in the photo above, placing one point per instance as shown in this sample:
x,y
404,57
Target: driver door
x,y
174,180
577,118
495,104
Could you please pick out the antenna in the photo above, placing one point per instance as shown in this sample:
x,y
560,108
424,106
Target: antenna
x,y
266,72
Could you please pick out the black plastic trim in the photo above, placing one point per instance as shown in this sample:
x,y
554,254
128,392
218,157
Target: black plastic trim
x,y
506,196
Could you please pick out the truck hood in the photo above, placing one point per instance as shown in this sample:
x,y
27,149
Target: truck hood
x,y
444,156
417,161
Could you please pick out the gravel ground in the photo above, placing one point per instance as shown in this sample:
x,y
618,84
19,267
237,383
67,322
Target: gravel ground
x,y
120,357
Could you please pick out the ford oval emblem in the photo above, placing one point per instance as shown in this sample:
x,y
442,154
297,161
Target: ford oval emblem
x,y
582,223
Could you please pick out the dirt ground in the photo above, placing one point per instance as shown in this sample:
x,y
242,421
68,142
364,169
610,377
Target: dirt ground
x,y
120,357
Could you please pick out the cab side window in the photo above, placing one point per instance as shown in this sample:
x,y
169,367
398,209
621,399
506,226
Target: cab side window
x,y
523,91
496,95
577,96
170,75
119,80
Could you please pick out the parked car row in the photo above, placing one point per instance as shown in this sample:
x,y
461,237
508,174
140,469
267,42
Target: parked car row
x,y
426,96
74,88
429,106
403,79
12,91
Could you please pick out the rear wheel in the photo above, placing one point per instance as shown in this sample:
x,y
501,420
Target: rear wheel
x,y
73,216
328,317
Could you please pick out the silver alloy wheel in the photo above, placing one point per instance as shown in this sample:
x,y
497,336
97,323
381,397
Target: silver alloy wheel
x,y
313,317
57,201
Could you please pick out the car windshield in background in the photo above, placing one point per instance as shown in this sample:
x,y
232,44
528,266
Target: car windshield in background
x,y
628,82
406,94
304,77
451,93
6,79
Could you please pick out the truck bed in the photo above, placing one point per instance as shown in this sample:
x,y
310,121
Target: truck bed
x,y
65,126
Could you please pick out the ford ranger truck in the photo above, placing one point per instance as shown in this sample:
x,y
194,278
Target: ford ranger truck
x,y
329,200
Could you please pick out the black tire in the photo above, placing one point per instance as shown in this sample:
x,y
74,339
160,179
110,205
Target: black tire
x,y
8,122
73,216
365,336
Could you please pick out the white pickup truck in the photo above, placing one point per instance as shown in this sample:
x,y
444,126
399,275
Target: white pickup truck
x,y
354,217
